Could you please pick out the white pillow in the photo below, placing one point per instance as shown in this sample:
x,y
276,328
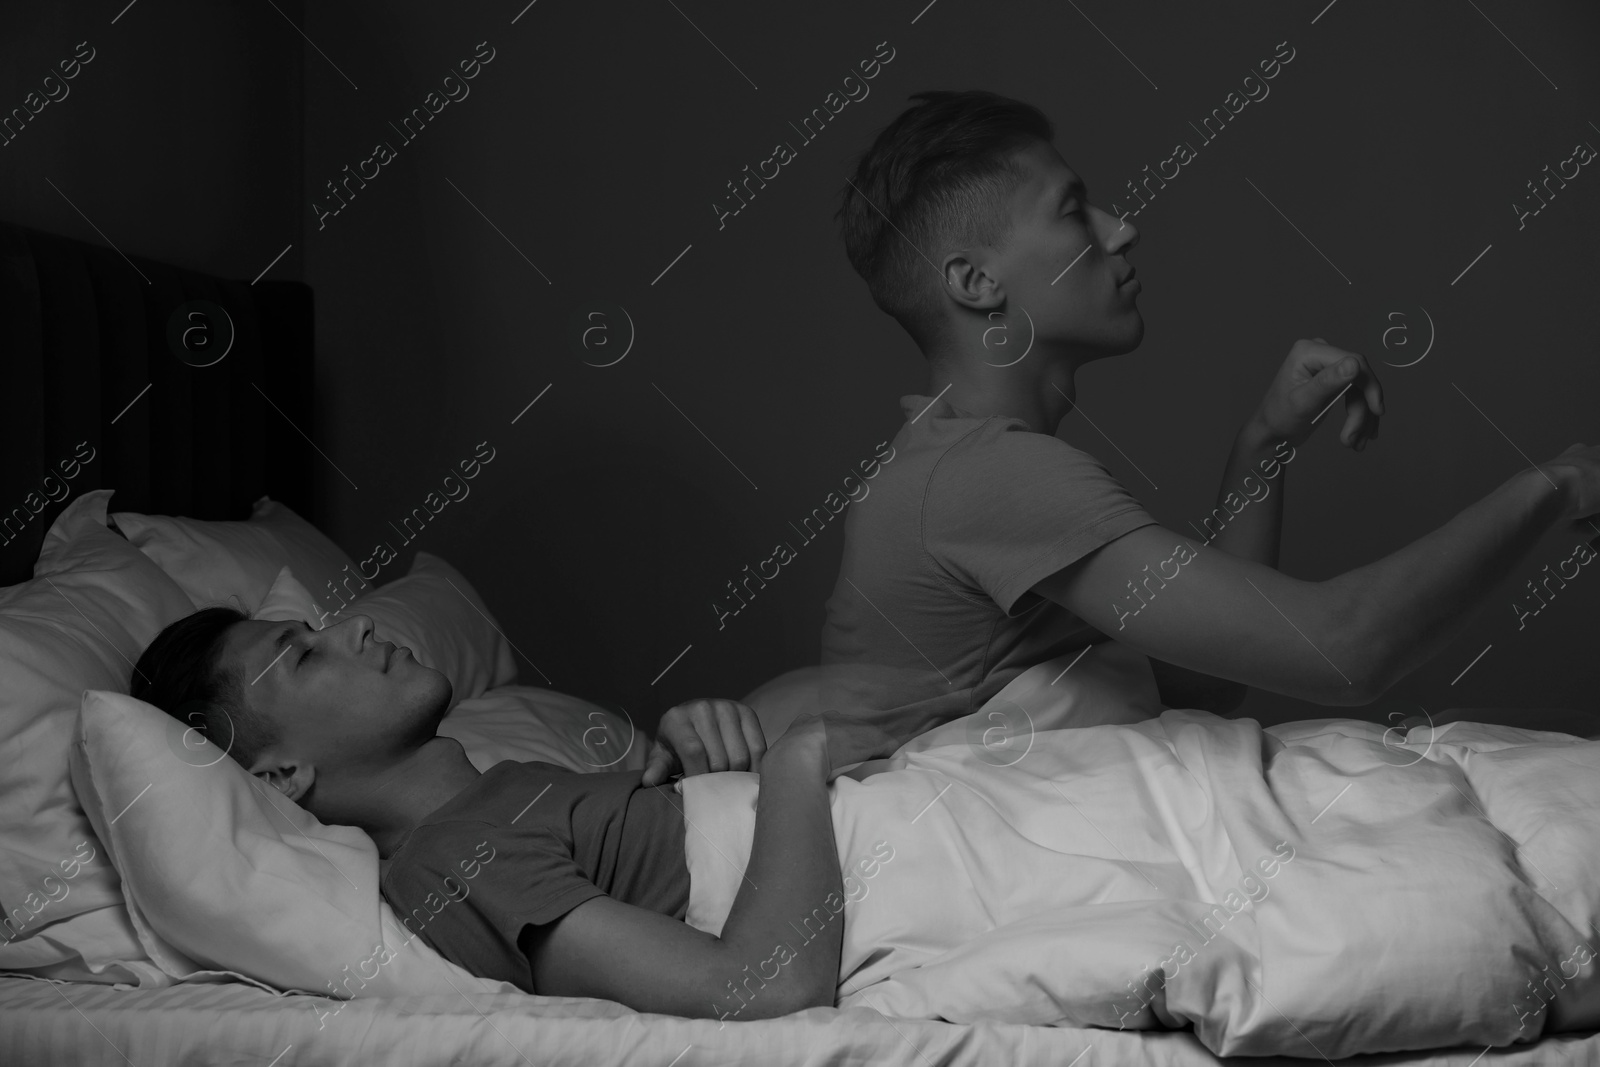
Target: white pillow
x,y
516,722
433,611
287,601
224,874
234,563
80,623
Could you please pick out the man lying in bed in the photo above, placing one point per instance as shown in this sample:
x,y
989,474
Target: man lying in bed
x,y
562,883
575,884
987,545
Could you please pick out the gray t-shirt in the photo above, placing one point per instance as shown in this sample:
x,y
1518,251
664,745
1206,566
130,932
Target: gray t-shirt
x,y
526,843
932,613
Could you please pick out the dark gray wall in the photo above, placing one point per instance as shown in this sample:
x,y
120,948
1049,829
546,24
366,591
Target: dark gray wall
x,y
180,140
598,138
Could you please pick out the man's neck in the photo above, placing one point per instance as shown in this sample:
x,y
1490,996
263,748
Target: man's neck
x,y
395,801
1040,389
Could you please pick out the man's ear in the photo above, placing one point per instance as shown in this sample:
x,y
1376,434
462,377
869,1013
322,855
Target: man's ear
x,y
292,778
969,284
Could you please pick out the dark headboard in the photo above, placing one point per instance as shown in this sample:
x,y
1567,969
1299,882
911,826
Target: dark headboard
x,y
83,331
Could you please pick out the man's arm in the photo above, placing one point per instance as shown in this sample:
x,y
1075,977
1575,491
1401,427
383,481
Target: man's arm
x,y
1247,521
653,963
1343,641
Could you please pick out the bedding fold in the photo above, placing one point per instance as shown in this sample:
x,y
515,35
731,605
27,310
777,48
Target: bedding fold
x,y
1320,890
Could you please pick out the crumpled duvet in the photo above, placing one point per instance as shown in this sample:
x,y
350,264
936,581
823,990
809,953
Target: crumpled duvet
x,y
1316,889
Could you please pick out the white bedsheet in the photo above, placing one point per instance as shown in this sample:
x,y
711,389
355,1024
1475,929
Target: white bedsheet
x,y
1426,881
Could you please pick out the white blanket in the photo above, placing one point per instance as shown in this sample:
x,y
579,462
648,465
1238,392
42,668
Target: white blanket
x,y
1320,889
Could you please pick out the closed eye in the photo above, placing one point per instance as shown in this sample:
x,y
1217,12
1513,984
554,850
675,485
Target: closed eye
x,y
1072,195
305,655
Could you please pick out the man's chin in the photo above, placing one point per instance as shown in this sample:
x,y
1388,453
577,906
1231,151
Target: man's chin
x,y
1115,340
446,698
1128,335
433,697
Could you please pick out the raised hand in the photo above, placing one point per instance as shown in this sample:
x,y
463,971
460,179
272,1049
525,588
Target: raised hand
x,y
1578,470
1312,375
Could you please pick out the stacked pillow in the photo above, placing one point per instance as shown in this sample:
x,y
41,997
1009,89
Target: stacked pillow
x,y
93,604
234,563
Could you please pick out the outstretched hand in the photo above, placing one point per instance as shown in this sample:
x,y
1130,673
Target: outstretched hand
x,y
1578,468
1312,376
699,736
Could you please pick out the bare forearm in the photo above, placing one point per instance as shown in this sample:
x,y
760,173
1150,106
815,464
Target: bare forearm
x,y
775,958
766,961
1250,516
1249,498
1409,605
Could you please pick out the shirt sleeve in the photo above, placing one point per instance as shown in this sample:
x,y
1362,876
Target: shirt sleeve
x,y
1006,508
470,888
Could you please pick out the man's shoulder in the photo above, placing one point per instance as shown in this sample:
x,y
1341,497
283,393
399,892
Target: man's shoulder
x,y
1000,451
962,460
940,435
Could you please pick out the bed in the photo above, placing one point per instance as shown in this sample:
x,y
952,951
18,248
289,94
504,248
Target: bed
x,y
210,486
231,1024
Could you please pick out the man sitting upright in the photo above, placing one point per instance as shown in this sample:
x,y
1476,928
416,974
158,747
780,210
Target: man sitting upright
x,y
989,546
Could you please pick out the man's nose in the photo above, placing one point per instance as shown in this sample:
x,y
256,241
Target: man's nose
x,y
358,627
1120,233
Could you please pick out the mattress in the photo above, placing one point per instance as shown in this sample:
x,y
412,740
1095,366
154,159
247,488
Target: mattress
x,y
50,1023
